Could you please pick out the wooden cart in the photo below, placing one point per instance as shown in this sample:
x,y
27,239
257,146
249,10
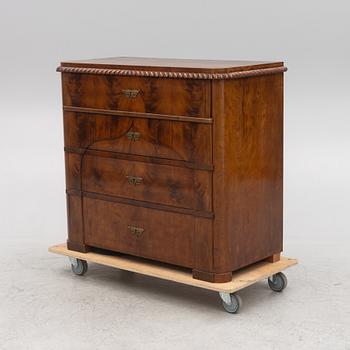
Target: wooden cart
x,y
227,291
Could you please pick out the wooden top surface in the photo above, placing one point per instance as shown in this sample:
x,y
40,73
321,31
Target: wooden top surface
x,y
172,65
240,279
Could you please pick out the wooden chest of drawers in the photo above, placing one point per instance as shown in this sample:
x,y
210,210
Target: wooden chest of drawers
x,y
179,161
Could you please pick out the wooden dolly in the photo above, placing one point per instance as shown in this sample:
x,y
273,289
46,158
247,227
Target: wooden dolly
x,y
227,291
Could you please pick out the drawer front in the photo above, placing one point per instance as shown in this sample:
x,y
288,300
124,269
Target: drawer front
x,y
183,97
143,232
185,141
162,184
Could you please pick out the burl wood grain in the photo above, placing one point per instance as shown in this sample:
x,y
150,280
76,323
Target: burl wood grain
x,y
163,96
164,184
184,141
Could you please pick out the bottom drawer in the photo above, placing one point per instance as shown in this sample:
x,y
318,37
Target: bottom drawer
x,y
139,231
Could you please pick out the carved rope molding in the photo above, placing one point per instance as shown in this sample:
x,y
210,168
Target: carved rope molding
x,y
180,75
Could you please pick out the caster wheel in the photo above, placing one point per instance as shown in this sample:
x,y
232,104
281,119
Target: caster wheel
x,y
231,302
278,282
79,267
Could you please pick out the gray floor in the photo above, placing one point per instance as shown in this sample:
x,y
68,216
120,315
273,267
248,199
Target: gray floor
x,y
44,306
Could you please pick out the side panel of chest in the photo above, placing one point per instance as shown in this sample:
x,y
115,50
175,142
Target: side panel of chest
x,y
248,170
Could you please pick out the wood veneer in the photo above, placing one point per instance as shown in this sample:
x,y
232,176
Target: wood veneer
x,y
151,95
183,141
164,184
206,137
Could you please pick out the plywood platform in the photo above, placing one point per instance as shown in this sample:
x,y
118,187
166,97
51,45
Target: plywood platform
x,y
241,279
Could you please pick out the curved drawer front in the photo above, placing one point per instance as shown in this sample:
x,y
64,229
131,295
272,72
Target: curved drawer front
x,y
162,184
143,232
185,141
183,97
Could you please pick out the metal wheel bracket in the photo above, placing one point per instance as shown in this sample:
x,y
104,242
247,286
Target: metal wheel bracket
x,y
231,302
225,297
73,261
272,278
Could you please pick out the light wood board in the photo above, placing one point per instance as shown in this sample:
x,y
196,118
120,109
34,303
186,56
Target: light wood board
x,y
241,279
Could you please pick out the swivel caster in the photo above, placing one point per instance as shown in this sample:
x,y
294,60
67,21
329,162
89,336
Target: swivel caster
x,y
79,267
231,302
278,282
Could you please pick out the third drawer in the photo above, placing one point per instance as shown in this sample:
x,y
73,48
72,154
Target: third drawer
x,y
157,183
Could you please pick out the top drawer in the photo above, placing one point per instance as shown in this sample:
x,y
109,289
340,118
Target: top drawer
x,y
183,97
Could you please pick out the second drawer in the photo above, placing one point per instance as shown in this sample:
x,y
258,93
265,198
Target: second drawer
x,y
163,184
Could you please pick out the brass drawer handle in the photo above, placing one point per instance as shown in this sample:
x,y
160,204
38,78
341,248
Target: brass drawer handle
x,y
134,180
133,135
137,231
130,93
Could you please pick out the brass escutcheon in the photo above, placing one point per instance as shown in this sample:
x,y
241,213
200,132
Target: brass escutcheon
x,y
133,135
134,180
137,231
130,93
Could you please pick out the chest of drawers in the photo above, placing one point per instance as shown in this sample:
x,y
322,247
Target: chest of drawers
x,y
179,161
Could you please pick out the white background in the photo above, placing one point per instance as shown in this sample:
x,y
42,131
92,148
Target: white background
x,y
311,37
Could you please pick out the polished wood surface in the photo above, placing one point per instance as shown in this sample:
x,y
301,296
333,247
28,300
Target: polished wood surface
x,y
190,142
159,116
166,64
241,279
196,165
248,162
164,184
160,96
144,204
76,240
168,237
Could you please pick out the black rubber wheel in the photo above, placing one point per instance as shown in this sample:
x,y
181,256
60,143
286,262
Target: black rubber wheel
x,y
81,268
278,282
233,305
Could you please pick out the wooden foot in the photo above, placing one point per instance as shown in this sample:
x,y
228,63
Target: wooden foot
x,y
78,247
212,277
274,258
